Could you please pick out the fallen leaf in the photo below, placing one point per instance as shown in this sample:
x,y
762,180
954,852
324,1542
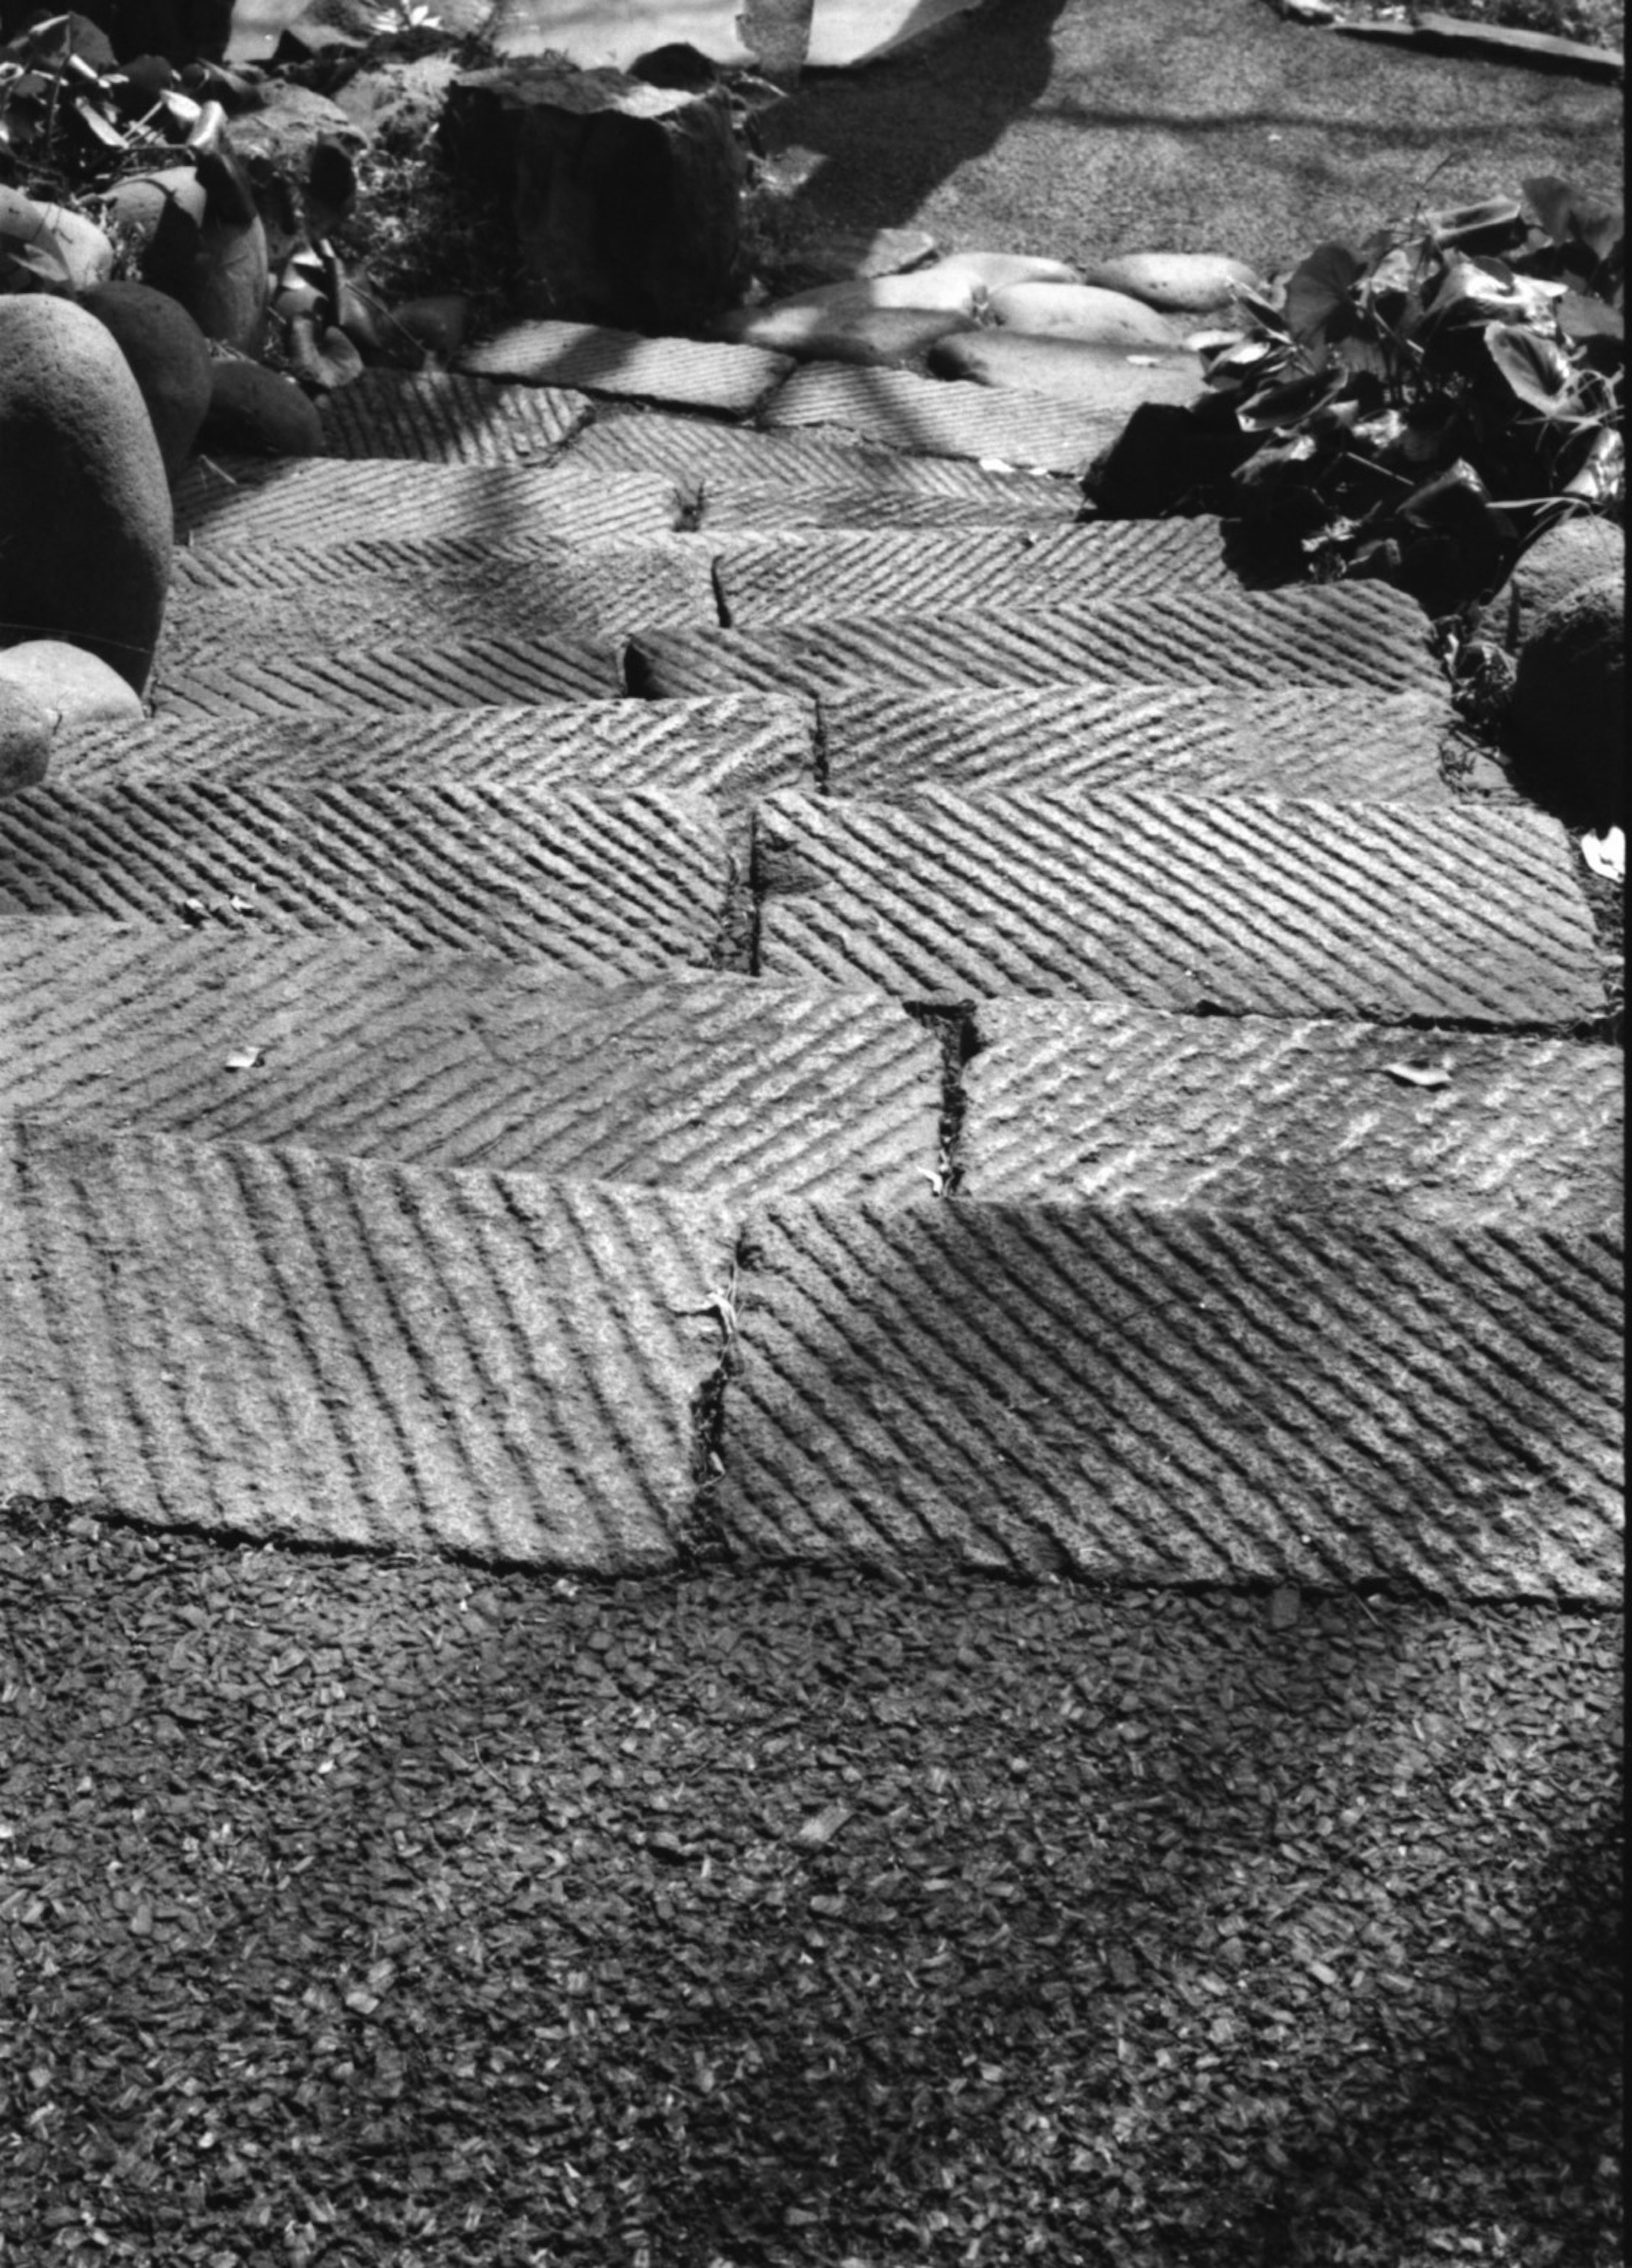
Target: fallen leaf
x,y
244,1059
1420,1074
1607,854
825,1825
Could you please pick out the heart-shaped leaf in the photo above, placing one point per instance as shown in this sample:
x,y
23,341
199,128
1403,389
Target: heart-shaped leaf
x,y
1320,294
1540,373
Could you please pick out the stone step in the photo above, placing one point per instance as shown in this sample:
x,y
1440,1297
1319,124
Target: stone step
x,y
737,1089
682,373
1296,739
368,593
1360,636
273,1343
1092,1102
315,500
1152,1398
713,458
594,886
228,672
775,579
757,507
1255,905
435,419
733,748
945,417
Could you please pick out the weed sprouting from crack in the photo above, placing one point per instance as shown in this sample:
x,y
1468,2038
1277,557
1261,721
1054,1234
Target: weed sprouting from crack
x,y
954,1026
703,1541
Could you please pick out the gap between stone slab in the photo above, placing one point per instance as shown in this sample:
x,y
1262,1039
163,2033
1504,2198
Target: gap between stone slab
x,y
702,1539
954,1026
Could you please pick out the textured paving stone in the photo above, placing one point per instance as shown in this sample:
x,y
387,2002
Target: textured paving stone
x,y
712,457
368,593
1301,739
1261,906
679,372
224,675
737,507
942,417
317,501
591,886
439,420
1093,1100
1352,634
281,1344
737,1089
734,748
920,571
1152,1398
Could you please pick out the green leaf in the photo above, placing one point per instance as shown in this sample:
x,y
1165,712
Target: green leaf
x,y
1539,373
1319,302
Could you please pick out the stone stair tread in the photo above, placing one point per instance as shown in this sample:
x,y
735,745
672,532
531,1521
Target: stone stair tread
x,y
724,1085
1357,635
1073,1100
777,578
1131,1395
367,592
309,500
733,747
716,456
434,418
274,1342
944,417
592,358
1258,904
745,507
1297,740
601,886
226,673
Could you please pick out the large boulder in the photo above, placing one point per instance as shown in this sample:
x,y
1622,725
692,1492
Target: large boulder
x,y
84,499
71,686
200,240
1177,283
1567,725
1570,554
256,412
168,359
625,197
1085,311
1068,369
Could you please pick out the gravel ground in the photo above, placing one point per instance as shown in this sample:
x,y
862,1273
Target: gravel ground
x,y
362,1912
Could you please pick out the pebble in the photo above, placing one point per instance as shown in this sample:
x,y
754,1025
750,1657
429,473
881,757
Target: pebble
x,y
70,686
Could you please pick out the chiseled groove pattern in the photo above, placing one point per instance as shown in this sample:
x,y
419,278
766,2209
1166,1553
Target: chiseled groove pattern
x,y
730,1087
603,887
1301,740
435,419
921,572
1154,1397
690,373
735,747
730,508
213,675
1095,1101
694,449
379,591
284,1344
945,417
1358,635
1261,904
321,500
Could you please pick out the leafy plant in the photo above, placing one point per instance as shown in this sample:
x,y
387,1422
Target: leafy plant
x,y
1427,403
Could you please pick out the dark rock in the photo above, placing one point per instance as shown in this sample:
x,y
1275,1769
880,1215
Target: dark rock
x,y
253,410
201,241
436,326
182,31
26,729
625,197
82,477
1570,554
168,359
1567,725
80,34
1166,460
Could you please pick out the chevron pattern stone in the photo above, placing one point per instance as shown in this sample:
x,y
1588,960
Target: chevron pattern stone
x,y
1093,1101
1151,1397
430,418
922,572
736,748
736,1089
211,674
684,374
1301,740
314,500
593,886
944,417
1356,634
372,593
1261,906
746,507
276,1344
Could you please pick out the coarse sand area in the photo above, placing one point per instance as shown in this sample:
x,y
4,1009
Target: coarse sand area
x,y
1085,128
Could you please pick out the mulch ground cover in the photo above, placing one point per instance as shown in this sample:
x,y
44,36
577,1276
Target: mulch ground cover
x,y
356,1911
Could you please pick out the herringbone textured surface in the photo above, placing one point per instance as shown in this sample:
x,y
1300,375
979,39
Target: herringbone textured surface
x,y
209,674
944,417
429,418
315,500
